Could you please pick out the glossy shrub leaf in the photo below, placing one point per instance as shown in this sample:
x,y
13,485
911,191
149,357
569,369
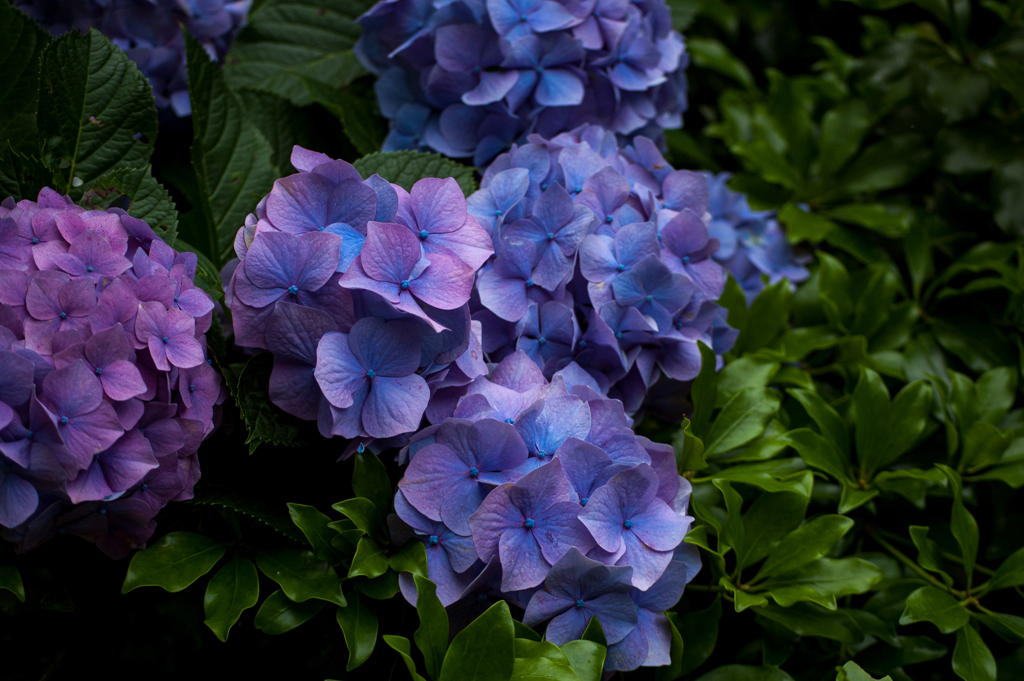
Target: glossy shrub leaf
x,y
301,575
699,629
96,111
704,390
711,54
741,672
173,562
264,422
770,518
279,614
972,660
742,419
289,42
586,658
810,541
929,604
777,475
929,555
889,163
817,452
594,632
962,523
401,645
315,527
405,168
830,423
21,44
842,129
742,373
432,635
822,581
851,671
358,624
230,156
364,514
484,650
10,579
370,481
369,561
1010,572
411,558
234,588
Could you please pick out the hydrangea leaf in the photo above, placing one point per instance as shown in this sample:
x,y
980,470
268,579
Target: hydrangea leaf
x,y
96,111
21,43
279,614
484,650
432,635
405,168
173,562
281,122
370,560
929,604
301,575
148,199
356,107
21,176
264,421
358,624
289,41
401,645
230,156
972,660
10,579
234,588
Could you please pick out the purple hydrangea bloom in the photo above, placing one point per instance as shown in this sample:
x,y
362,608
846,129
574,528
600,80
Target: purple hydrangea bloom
x,y
468,78
105,387
361,291
149,31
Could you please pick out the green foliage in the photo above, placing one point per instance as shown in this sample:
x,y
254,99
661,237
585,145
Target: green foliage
x,y
358,623
235,588
265,422
405,168
174,562
21,43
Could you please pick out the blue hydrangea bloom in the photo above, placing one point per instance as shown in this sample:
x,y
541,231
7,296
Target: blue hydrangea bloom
x,y
468,78
149,32
106,391
361,291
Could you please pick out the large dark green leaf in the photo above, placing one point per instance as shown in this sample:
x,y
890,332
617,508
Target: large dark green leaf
x,y
21,176
314,526
370,560
301,575
364,514
358,624
96,111
173,562
972,660
822,581
234,588
230,156
929,604
484,650
279,614
21,43
432,635
401,645
1010,572
149,200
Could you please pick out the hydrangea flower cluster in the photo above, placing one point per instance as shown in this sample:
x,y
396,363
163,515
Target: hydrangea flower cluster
x,y
603,259
752,245
467,78
106,391
361,291
149,31
539,492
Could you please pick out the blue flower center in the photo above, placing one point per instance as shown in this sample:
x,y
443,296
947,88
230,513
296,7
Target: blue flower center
x,y
649,298
63,315
370,373
618,334
529,283
424,234
541,454
543,186
620,59
686,259
361,448
35,240
620,268
628,524
405,285
103,511
63,420
165,339
579,603
510,420
89,268
578,190
29,434
529,523
99,371
522,17
498,213
609,219
474,471
293,290
551,237
142,430
192,388
582,343
542,340
584,500
540,69
175,298
433,539
145,486
679,325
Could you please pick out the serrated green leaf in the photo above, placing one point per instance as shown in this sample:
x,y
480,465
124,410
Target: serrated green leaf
x,y
405,168
301,575
432,635
279,614
267,512
287,42
358,624
21,176
149,200
230,156
21,44
929,604
264,422
234,588
173,562
96,111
